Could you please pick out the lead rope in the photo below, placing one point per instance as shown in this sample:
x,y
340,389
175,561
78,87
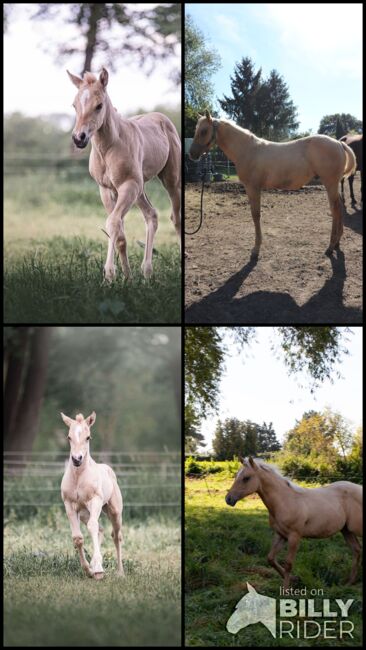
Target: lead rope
x,y
193,232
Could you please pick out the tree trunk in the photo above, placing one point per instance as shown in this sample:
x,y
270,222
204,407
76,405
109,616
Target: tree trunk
x,y
91,37
14,373
28,410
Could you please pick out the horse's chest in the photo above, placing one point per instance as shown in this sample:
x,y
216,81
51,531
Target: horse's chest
x,y
80,494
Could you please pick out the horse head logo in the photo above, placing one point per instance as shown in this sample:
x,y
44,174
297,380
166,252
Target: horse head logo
x,y
253,608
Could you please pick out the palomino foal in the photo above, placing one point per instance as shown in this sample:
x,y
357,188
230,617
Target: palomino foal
x,y
88,487
126,153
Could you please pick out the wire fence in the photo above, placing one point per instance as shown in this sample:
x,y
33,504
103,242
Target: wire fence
x,y
155,478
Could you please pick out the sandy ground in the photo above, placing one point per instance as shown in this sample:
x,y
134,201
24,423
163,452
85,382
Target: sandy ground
x,y
293,281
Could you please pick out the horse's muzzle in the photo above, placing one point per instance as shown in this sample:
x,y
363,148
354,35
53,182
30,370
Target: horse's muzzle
x,y
76,462
82,143
230,500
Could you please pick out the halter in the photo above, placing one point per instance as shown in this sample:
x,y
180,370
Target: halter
x,y
215,126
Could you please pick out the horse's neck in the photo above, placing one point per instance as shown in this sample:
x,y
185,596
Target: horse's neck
x,y
230,141
273,491
108,132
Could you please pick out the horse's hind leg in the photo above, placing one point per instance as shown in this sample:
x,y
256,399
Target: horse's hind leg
x,y
350,181
336,209
354,544
114,512
151,221
170,177
254,197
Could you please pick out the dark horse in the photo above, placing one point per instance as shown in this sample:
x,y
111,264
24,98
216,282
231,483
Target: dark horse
x,y
355,142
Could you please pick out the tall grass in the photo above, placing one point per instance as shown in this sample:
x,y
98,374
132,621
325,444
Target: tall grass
x,y
55,251
49,602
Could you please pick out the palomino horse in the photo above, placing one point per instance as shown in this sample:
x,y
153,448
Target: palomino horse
x,y
355,142
126,153
87,488
287,166
296,512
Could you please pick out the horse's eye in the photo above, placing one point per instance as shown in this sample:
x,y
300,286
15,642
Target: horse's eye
x,y
99,107
88,438
246,478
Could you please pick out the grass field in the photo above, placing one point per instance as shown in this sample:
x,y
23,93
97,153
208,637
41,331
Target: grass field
x,y
49,601
228,547
55,251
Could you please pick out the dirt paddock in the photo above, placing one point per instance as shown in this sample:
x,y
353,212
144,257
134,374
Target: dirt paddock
x,y
293,281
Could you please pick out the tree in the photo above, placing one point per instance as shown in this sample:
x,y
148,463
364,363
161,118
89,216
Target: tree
x,y
312,349
267,440
263,106
201,62
26,353
339,124
145,36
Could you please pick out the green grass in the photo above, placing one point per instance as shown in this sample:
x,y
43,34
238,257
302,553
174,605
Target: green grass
x,y
228,547
49,601
55,252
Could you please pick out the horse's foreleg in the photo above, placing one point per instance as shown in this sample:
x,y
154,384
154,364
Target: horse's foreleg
x,y
77,536
151,221
127,195
254,197
354,544
337,219
293,543
277,544
95,507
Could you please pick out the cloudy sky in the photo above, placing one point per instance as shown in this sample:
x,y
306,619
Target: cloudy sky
x,y
311,45
256,386
35,85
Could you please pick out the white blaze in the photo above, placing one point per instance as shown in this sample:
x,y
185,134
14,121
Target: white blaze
x,y
78,431
84,98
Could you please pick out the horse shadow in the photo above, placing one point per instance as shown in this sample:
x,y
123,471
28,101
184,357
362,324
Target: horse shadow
x,y
221,306
353,220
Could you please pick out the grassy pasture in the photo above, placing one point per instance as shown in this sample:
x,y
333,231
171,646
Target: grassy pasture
x,y
49,601
55,251
227,547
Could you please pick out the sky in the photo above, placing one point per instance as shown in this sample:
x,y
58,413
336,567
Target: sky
x,y
311,45
256,386
35,85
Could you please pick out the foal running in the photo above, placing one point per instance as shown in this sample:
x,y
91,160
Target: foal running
x,y
126,153
88,487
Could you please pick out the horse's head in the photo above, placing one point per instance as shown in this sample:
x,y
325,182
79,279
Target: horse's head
x,y
79,436
90,105
246,482
204,136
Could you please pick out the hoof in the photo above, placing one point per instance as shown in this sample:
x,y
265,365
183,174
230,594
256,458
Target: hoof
x,y
98,576
329,252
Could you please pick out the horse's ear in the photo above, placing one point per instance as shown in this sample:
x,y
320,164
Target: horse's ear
x,y
91,419
207,114
75,80
252,463
242,460
103,77
68,421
